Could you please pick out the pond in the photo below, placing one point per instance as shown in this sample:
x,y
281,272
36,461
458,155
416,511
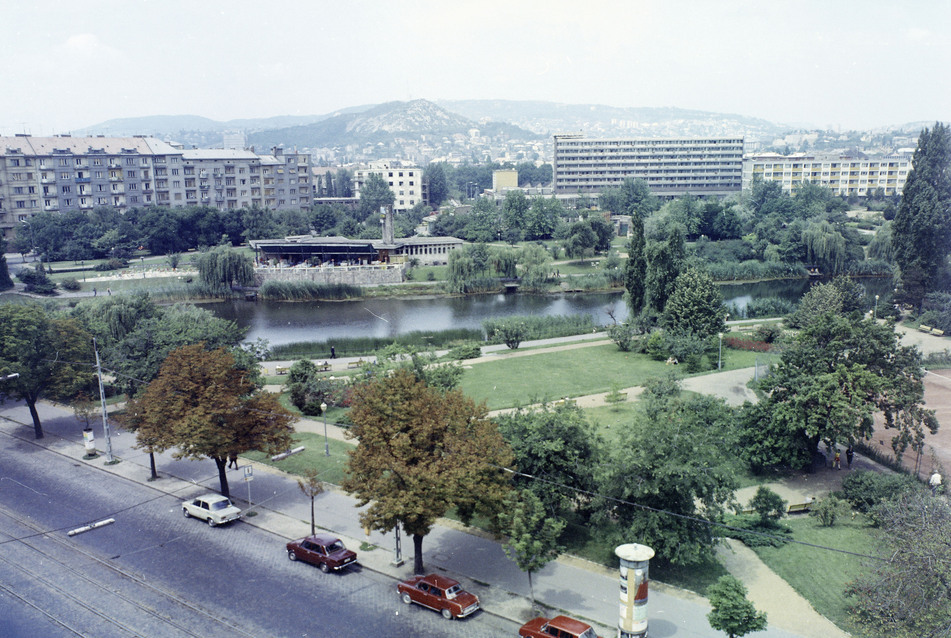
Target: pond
x,y
285,322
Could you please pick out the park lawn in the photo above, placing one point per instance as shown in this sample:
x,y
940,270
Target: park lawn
x,y
821,576
512,381
330,469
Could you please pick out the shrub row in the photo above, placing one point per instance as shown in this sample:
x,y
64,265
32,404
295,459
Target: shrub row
x,y
307,290
546,327
739,343
753,269
363,346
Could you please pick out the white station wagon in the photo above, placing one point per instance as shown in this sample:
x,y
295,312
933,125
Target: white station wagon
x,y
214,509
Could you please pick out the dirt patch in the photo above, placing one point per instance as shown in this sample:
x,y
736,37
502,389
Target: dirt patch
x,y
937,398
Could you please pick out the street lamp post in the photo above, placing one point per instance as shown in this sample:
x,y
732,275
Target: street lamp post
x,y
323,410
720,354
875,311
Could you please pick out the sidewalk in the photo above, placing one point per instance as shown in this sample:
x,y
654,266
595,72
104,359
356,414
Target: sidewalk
x,y
568,585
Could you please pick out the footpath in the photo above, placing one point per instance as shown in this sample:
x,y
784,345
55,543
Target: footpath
x,y
568,585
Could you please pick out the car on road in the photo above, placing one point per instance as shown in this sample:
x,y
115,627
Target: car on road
x,y
559,626
214,509
439,594
323,550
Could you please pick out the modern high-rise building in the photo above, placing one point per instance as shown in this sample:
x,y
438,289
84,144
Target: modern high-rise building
x,y
844,175
585,166
64,173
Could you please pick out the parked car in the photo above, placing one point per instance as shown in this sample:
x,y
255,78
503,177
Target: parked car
x,y
559,626
439,594
214,509
323,550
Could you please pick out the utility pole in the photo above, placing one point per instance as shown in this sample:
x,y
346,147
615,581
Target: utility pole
x,y
102,400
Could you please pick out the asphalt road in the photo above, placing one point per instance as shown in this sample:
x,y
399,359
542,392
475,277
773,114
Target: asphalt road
x,y
154,573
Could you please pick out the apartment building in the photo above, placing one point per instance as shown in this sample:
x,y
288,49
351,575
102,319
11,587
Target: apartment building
x,y
64,173
406,182
671,167
844,175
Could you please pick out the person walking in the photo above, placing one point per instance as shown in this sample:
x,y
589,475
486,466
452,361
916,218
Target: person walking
x,y
935,483
837,462
849,453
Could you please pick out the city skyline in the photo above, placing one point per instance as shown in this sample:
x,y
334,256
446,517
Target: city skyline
x,y
845,65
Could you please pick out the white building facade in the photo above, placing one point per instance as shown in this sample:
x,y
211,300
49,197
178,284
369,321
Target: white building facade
x,y
844,175
406,182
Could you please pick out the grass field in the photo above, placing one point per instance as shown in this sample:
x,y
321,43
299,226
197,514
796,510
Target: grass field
x,y
329,468
568,373
820,576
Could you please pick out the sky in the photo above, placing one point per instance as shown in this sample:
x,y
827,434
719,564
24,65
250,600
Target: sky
x,y
841,64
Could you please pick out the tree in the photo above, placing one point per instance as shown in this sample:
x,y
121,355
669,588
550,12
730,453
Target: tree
x,y
222,266
52,357
5,281
768,505
673,469
830,380
532,535
695,305
732,612
312,487
556,444
374,195
515,211
636,268
203,405
908,595
664,262
435,174
841,295
420,453
922,226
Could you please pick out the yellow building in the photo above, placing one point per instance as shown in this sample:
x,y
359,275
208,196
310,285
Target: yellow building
x,y
504,179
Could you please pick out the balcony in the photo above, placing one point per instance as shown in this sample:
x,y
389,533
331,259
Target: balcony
x,y
82,180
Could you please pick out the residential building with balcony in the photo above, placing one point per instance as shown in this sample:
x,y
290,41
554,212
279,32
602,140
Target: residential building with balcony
x,y
844,175
585,166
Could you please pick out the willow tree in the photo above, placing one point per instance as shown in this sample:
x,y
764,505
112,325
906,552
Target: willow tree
x,y
825,247
222,266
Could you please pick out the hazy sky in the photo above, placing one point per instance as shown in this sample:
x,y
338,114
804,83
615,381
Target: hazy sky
x,y
845,63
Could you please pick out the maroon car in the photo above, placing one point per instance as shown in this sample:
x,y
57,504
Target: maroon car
x,y
560,626
323,550
439,594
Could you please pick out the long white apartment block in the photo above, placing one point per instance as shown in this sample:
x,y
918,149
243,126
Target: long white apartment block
x,y
844,175
585,166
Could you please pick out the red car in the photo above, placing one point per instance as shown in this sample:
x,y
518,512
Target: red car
x,y
439,594
559,626
323,550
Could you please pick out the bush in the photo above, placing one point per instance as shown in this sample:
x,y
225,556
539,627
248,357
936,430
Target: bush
x,y
545,327
739,343
768,333
306,290
70,284
510,333
749,531
864,489
768,505
111,264
37,281
829,509
767,307
686,347
623,335
466,351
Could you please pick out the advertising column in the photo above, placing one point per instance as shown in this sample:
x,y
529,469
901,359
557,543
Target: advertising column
x,y
635,561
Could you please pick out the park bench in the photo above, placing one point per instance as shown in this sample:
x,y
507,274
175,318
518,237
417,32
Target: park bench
x,y
355,364
323,367
799,508
564,401
280,369
924,328
936,332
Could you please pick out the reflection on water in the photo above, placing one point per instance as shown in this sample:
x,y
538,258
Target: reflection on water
x,y
285,322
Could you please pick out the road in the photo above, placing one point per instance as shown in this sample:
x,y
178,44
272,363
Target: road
x,y
154,573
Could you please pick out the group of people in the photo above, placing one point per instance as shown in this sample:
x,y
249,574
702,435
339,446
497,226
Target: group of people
x,y
837,459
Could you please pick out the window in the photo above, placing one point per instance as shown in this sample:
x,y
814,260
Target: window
x,y
67,188
64,162
17,190
97,162
130,161
131,174
21,204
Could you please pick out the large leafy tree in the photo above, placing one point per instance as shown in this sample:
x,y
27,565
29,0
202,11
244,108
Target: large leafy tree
x,y
829,382
732,612
673,469
374,194
921,235
556,444
532,534
422,452
204,406
435,174
696,305
52,357
908,595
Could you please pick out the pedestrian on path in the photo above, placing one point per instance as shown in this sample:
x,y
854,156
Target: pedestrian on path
x,y
232,461
333,352
849,453
837,462
935,483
